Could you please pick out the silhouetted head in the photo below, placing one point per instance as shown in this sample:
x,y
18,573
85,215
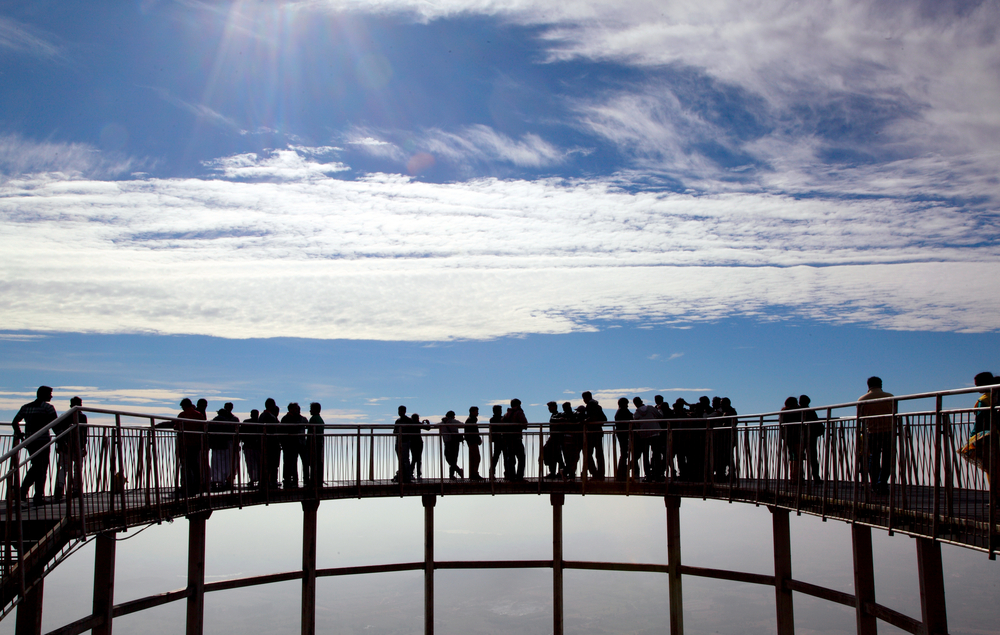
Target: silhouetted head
x,y
515,403
254,415
703,400
186,403
804,401
401,410
874,382
294,408
553,407
567,407
315,408
637,401
726,403
44,393
985,378
716,402
587,397
473,410
221,412
228,406
623,402
658,399
269,404
679,403
75,401
450,414
792,403
202,405
415,418
497,409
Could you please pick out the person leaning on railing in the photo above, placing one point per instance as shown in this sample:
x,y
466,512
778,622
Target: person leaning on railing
x,y
982,444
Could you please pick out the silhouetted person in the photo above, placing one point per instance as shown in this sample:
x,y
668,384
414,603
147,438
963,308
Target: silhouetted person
x,y
291,445
572,438
451,437
876,421
984,442
623,424
473,440
650,438
401,442
221,433
552,451
252,436
496,440
415,440
681,443
71,447
791,436
202,407
595,436
725,441
272,444
36,415
814,428
984,402
190,448
514,425
312,462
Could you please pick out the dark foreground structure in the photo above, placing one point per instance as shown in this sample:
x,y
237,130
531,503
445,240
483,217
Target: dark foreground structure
x,y
128,473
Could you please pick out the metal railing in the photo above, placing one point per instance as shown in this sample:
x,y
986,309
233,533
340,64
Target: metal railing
x,y
131,468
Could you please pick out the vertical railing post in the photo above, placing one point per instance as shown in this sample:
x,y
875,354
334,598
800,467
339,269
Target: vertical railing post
x,y
864,578
358,438
674,587
929,570
782,571
938,433
557,501
371,454
119,478
156,468
104,582
893,461
429,500
196,573
309,508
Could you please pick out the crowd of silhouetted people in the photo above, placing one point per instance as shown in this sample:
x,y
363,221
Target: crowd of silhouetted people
x,y
651,441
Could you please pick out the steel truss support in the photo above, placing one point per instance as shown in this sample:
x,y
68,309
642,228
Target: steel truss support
x,y
674,588
29,611
309,566
929,570
104,581
196,573
429,500
782,571
557,501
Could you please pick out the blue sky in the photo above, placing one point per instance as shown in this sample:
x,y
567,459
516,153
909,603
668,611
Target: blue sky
x,y
464,201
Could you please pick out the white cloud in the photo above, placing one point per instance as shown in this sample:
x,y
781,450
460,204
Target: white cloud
x,y
376,258
21,38
22,156
476,143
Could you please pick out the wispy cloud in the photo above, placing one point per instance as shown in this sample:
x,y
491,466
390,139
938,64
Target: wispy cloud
x,y
469,144
182,256
19,156
21,38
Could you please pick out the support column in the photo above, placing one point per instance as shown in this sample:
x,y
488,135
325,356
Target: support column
x,y
429,501
309,566
864,578
104,581
196,573
673,504
782,571
931,574
29,611
557,501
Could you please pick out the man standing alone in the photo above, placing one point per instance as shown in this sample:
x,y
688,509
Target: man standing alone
x,y
876,421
